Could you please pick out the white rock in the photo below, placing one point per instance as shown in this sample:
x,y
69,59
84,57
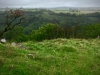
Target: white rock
x,y
3,40
19,45
13,44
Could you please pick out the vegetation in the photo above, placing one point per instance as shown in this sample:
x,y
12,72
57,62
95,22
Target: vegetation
x,y
41,17
47,32
91,31
78,12
50,44
12,18
16,34
51,57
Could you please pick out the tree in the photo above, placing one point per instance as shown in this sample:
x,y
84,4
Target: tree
x,y
91,31
13,17
48,31
16,34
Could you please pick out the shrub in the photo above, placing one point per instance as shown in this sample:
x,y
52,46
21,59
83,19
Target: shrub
x,y
48,31
16,34
91,31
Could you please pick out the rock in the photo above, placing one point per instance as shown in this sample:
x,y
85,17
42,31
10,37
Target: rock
x,y
20,45
3,41
98,37
13,44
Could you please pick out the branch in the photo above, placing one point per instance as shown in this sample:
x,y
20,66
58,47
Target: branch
x,y
7,28
11,18
6,19
16,24
8,24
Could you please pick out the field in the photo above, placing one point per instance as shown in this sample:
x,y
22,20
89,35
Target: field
x,y
51,57
67,11
81,12
58,11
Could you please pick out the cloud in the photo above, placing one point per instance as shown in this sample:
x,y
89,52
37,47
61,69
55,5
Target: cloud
x,y
13,3
49,3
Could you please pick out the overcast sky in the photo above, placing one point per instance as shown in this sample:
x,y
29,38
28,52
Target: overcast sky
x,y
49,3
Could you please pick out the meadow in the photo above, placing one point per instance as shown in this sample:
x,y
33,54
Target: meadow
x,y
51,57
81,11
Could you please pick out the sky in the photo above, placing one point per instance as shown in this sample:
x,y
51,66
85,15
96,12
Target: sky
x,y
49,3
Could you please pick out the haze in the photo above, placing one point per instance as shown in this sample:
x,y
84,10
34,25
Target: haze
x,y
49,3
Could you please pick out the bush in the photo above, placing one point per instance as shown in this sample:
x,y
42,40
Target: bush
x,y
16,34
48,31
91,31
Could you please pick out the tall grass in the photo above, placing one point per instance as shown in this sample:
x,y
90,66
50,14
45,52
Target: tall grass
x,y
52,57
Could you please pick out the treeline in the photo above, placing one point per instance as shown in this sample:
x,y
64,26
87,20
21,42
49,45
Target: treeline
x,y
45,24
41,16
53,31
79,31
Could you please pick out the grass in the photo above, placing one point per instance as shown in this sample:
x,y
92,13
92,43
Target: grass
x,y
81,12
52,57
67,11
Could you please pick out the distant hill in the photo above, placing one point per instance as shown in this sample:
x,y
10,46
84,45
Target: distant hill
x,y
63,8
78,8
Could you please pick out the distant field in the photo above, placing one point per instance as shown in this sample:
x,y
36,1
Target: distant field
x,y
81,12
67,11
1,9
59,11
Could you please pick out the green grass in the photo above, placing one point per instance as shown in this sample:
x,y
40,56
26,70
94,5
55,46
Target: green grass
x,y
52,57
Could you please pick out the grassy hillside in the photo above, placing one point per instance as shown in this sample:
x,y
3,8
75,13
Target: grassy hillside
x,y
51,57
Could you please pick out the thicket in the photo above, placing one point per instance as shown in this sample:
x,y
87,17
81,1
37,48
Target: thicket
x,y
52,31
17,34
47,32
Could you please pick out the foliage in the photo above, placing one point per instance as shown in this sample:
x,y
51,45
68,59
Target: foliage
x,y
74,25
79,31
12,18
16,34
48,31
39,17
72,31
91,31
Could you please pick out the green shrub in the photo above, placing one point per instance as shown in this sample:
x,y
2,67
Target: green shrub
x,y
48,31
16,34
91,31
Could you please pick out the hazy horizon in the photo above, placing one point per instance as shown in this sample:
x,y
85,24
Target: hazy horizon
x,y
48,4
